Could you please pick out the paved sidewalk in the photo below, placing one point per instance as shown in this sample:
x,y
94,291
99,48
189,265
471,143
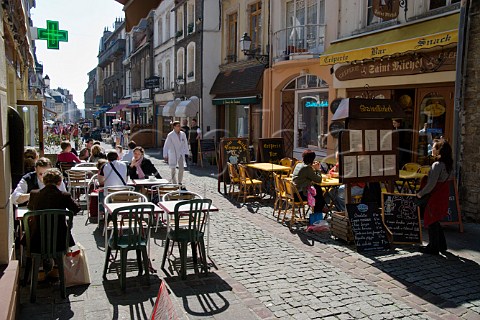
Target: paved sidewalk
x,y
265,271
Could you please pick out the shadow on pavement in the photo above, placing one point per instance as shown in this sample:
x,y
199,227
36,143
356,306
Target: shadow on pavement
x,y
202,296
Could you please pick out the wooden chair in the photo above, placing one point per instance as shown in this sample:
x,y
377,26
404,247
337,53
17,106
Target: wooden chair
x,y
193,233
130,232
411,166
120,194
48,244
404,186
294,203
248,187
424,170
92,185
234,178
420,184
287,162
280,194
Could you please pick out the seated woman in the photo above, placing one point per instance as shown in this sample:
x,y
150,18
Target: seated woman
x,y
337,195
140,167
96,154
67,155
307,173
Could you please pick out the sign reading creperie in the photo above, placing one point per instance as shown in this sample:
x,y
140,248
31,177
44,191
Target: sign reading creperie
x,y
408,64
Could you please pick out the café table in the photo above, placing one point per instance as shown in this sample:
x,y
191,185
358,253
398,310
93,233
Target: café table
x,y
147,182
266,171
409,180
169,208
92,169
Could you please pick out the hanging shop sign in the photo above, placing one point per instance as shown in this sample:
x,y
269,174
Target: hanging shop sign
x,y
405,65
386,9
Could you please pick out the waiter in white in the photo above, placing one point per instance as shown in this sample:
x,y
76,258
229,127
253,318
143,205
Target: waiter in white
x,y
174,151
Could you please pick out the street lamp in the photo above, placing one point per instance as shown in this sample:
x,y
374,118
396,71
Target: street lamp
x,y
246,43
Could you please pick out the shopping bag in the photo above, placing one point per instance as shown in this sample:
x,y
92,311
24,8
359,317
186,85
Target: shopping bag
x,y
315,217
76,267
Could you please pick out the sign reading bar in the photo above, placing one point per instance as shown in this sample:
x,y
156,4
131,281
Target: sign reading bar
x,y
408,64
271,150
367,227
402,217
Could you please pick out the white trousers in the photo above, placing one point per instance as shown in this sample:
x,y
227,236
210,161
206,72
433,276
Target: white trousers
x,y
181,169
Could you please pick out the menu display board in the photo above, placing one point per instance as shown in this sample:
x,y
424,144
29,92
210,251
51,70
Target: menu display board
x,y
367,226
366,154
402,217
271,150
233,150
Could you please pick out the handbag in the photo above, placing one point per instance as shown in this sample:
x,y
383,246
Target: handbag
x,y
76,267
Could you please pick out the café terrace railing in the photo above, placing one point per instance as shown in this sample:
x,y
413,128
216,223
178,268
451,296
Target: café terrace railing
x,y
298,40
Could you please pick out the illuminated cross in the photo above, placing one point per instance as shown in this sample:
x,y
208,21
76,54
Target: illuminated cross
x,y
52,35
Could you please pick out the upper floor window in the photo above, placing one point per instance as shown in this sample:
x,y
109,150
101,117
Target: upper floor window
x,y
179,23
191,61
232,38
166,76
305,21
255,17
434,4
190,17
180,64
371,18
159,31
168,34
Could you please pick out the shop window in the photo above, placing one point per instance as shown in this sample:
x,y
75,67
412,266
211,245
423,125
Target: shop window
x,y
236,120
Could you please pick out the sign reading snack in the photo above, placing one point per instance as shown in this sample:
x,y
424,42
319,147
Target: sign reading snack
x,y
271,150
367,226
402,217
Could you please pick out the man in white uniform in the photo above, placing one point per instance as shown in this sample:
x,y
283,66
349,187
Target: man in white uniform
x,y
174,151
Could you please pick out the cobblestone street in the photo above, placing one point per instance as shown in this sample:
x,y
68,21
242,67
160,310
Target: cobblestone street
x,y
265,271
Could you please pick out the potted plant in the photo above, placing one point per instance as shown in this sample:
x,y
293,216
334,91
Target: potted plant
x,y
190,74
190,27
179,33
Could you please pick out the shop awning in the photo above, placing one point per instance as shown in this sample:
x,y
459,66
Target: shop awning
x,y
188,108
115,109
144,104
239,83
413,37
237,100
132,106
169,108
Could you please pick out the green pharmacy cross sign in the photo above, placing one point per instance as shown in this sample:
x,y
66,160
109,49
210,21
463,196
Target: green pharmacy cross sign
x,y
52,35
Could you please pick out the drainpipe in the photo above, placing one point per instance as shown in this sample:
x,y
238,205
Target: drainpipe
x,y
460,77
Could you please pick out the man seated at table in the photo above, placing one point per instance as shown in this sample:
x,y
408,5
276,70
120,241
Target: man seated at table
x,y
67,155
85,152
307,173
32,181
337,195
50,197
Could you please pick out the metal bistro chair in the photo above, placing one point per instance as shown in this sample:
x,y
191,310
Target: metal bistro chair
x,y
44,228
294,203
120,194
193,232
93,185
161,190
77,181
130,231
248,187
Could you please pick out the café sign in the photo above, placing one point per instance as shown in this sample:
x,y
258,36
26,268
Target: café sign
x,y
386,9
404,65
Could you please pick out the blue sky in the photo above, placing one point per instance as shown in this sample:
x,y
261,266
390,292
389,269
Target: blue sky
x,y
84,20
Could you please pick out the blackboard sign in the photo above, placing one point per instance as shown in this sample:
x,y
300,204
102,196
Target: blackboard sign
x,y
402,217
454,213
367,227
271,150
233,150
206,145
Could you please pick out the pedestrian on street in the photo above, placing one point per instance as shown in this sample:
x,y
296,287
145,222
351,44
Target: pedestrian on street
x,y
185,128
437,190
195,134
174,152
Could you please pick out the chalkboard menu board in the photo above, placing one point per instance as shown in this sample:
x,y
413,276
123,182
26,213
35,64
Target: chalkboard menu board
x,y
367,227
402,217
454,213
271,150
233,150
206,145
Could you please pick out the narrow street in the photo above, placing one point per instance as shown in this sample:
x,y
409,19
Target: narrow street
x,y
264,271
